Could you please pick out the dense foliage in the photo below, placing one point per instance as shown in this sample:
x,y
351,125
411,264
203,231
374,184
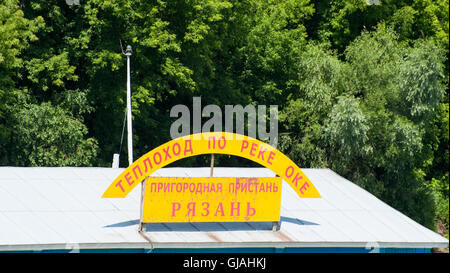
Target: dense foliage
x,y
361,89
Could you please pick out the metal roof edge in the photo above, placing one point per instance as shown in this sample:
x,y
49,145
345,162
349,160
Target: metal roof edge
x,y
73,246
367,245
155,245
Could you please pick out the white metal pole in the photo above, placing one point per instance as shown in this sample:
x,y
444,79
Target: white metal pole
x,y
129,121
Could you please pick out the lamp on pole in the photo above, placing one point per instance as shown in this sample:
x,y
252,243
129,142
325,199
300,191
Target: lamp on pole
x,y
128,52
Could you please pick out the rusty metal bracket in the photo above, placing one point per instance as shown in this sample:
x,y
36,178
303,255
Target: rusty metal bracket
x,y
274,226
212,165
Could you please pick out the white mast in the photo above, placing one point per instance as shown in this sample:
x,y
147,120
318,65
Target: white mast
x,y
129,125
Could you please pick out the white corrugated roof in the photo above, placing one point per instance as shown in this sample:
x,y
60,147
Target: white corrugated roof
x,y
60,208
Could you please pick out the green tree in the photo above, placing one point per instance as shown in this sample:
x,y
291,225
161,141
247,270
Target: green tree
x,y
16,32
42,122
45,135
338,23
378,128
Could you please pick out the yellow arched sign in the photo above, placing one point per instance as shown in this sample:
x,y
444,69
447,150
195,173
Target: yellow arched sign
x,y
212,143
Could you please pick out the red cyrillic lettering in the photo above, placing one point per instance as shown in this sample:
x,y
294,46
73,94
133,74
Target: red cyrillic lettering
x,y
128,179
206,209
261,153
154,158
167,187
244,145
235,209
190,147
119,183
149,163
175,207
224,143
199,186
237,185
261,189
244,187
231,187
253,148
213,142
296,178
173,149
304,187
287,173
250,188
191,208
219,208
249,209
166,153
134,171
256,186
271,155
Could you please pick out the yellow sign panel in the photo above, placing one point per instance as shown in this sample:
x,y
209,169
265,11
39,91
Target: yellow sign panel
x,y
212,143
212,199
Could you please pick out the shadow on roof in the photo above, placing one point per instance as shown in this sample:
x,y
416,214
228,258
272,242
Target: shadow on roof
x,y
297,221
215,226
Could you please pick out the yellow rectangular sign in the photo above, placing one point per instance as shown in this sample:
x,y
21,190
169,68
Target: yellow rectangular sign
x,y
212,199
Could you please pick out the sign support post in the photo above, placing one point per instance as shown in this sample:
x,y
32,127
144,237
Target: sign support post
x,y
212,165
141,207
